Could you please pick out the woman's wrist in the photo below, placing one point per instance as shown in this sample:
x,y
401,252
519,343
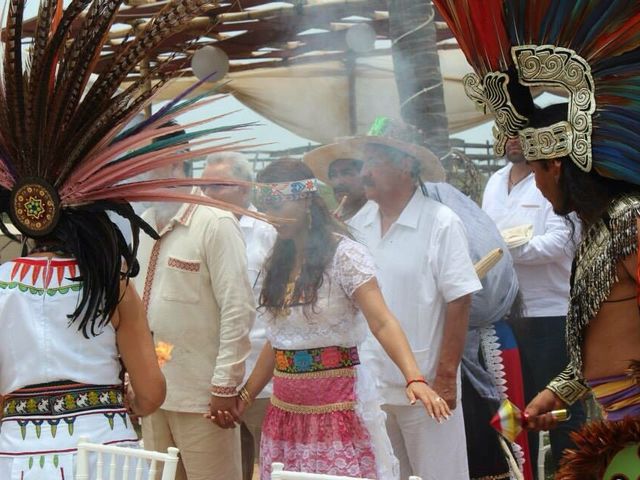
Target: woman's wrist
x,y
245,395
416,379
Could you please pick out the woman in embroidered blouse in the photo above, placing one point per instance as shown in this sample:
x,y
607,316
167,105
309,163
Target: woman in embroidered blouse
x,y
325,416
62,348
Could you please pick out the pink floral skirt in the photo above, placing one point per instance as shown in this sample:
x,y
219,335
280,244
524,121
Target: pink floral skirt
x,y
312,426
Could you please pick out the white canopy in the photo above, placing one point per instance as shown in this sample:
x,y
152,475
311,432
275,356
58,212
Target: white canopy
x,y
312,100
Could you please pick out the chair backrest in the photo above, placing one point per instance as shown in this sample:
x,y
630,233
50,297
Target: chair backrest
x,y
279,473
124,463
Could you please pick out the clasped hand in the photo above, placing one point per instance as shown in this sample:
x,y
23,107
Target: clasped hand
x,y
225,412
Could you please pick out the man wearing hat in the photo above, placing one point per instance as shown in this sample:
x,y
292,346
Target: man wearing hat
x,y
338,165
427,278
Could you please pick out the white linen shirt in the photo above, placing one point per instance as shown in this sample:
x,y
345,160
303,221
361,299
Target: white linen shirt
x,y
543,265
197,296
259,237
422,264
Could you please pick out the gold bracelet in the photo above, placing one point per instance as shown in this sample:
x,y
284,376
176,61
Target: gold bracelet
x,y
243,393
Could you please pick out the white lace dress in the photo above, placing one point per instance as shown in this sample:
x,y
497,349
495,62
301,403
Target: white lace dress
x,y
325,415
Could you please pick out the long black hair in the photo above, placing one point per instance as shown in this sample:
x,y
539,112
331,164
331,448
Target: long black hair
x,y
319,248
104,258
589,194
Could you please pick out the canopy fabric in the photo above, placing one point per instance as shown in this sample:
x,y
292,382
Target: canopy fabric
x,y
312,100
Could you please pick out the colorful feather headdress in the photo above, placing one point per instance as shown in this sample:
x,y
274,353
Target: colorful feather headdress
x,y
64,144
588,50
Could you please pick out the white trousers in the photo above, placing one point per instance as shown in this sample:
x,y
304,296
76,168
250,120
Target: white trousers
x,y
425,448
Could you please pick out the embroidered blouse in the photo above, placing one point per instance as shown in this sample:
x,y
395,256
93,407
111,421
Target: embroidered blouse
x,y
335,320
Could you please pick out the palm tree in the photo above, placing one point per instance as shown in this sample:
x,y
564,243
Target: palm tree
x,y
417,70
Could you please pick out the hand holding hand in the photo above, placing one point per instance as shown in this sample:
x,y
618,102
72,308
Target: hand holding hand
x,y
224,411
537,413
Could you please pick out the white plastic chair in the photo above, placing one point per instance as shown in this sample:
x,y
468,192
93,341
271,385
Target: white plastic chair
x,y
278,473
127,462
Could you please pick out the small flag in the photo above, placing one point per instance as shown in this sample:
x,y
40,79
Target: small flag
x,y
509,420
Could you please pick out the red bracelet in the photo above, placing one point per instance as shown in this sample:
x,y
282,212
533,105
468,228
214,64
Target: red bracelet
x,y
417,380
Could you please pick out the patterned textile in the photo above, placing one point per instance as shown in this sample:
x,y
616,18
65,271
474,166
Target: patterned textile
x,y
502,358
41,426
316,359
277,192
618,395
61,399
312,426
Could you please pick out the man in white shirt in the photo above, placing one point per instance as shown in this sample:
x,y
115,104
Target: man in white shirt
x,y
543,266
259,238
427,279
197,297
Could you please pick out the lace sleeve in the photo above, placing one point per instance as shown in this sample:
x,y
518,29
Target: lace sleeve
x,y
353,266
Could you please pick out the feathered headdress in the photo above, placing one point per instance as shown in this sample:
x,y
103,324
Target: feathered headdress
x,y
587,50
603,451
65,150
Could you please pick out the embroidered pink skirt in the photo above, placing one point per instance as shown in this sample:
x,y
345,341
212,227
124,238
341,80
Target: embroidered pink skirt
x,y
312,426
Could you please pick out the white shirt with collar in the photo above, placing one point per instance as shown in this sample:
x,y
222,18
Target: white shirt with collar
x,y
196,292
260,238
422,264
543,265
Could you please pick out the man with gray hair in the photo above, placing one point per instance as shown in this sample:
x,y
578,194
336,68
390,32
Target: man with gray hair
x,y
420,242
259,238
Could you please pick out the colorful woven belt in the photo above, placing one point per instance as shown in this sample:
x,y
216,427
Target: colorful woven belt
x,y
61,399
316,359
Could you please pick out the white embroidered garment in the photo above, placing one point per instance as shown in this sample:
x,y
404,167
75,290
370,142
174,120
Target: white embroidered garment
x,y
336,322
40,427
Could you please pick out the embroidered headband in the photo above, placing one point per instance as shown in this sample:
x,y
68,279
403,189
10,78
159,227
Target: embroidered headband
x,y
277,192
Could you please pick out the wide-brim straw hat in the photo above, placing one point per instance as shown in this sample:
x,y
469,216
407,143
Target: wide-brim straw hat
x,y
320,159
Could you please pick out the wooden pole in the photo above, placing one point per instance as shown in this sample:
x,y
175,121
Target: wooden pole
x,y
350,63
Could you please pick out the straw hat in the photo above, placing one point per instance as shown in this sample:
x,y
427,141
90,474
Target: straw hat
x,y
384,131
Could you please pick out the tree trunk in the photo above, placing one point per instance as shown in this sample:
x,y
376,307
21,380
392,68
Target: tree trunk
x,y
417,70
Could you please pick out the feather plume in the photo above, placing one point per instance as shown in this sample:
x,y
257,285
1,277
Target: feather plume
x,y
13,79
595,446
479,27
74,72
170,20
43,83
